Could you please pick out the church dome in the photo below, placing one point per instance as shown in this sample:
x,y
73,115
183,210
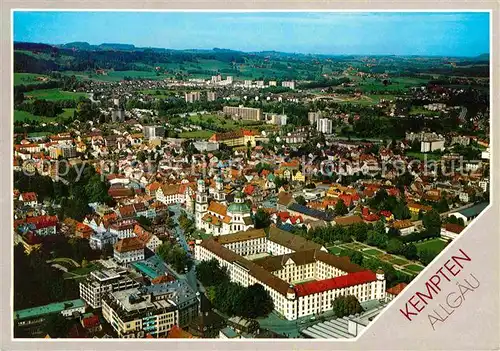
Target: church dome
x,y
238,208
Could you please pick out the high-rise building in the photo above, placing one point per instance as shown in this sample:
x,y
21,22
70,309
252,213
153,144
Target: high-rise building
x,y
192,96
154,132
272,83
117,115
65,151
288,84
244,113
216,79
325,126
211,96
313,117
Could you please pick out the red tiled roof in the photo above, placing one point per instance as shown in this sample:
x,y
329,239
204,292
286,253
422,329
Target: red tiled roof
x,y
31,196
454,228
397,289
91,322
42,221
343,281
129,244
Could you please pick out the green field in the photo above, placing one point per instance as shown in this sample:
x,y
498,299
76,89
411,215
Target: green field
x,y
115,76
54,94
420,111
20,116
421,156
414,268
27,78
398,261
434,245
334,250
373,252
198,134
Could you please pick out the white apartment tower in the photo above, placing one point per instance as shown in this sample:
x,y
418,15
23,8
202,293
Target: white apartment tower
x,y
325,126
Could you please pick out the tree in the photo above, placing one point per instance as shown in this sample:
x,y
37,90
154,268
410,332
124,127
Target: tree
x,y
300,200
96,190
410,251
442,205
57,326
262,219
175,256
356,257
393,232
210,273
377,239
432,221
170,223
255,302
426,256
380,227
144,221
395,246
346,305
340,208
141,156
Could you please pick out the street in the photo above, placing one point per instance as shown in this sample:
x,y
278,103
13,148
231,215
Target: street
x,y
190,276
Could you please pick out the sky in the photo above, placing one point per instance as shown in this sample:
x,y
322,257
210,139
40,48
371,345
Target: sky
x,y
336,33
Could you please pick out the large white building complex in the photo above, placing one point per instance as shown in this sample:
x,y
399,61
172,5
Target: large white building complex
x,y
301,277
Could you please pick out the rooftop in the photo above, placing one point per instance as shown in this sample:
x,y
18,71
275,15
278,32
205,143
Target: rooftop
x,y
55,307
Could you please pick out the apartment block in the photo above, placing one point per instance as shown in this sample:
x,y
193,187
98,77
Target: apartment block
x,y
102,282
243,113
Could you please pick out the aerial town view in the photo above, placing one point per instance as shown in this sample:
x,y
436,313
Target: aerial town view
x,y
273,175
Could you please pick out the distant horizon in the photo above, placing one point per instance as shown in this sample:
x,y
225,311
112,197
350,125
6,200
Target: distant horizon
x,y
249,52
431,34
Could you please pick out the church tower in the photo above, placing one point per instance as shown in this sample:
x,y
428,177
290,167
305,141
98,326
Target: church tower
x,y
201,205
219,194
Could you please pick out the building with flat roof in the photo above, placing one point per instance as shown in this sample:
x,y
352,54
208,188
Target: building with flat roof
x,y
192,96
31,320
178,293
325,126
211,96
243,113
133,313
99,283
314,117
347,327
153,132
62,150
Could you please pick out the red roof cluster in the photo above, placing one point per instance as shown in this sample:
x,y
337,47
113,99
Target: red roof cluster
x,y
28,197
285,216
343,281
369,217
91,322
42,221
